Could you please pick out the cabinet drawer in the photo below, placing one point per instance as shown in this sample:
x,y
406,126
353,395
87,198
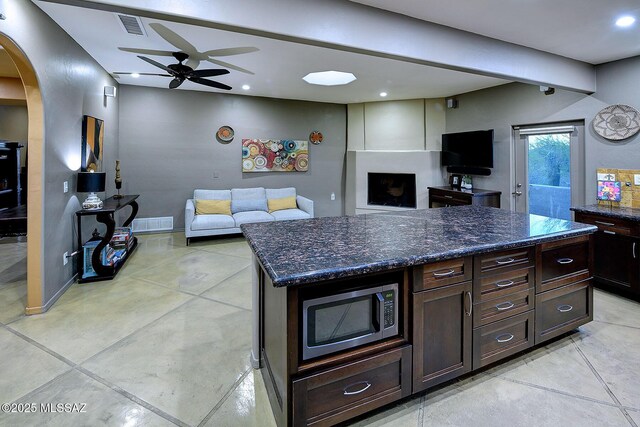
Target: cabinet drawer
x,y
608,224
456,197
442,273
562,310
341,393
495,262
501,339
563,262
500,308
489,287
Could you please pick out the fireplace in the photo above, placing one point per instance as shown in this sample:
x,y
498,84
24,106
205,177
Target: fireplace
x,y
391,189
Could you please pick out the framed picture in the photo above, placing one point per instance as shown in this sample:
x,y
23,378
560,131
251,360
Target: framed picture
x,y
609,190
92,144
455,180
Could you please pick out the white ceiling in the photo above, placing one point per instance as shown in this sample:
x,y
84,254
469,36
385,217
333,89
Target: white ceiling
x,y
564,27
577,29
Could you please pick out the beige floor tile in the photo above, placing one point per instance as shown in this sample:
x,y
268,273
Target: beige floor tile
x,y
234,246
185,362
194,272
614,352
496,402
611,308
635,415
24,367
406,414
92,316
247,406
13,300
150,253
235,290
102,406
548,367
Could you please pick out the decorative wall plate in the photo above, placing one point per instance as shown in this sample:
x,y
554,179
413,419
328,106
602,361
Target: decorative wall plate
x,y
225,134
617,122
315,137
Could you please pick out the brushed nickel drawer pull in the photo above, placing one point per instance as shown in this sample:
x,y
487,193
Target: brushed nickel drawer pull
x,y
564,308
605,223
445,274
502,306
470,304
565,260
366,384
504,262
508,338
448,197
608,232
633,250
504,284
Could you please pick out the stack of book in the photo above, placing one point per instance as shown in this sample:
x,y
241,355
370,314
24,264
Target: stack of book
x,y
114,252
121,242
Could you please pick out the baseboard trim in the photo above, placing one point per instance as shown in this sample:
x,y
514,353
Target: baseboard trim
x,y
44,308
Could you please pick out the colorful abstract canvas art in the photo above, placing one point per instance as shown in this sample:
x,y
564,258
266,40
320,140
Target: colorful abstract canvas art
x,y
609,190
92,144
274,155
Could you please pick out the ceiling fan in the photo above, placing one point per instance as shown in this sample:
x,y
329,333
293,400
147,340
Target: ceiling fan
x,y
181,72
195,56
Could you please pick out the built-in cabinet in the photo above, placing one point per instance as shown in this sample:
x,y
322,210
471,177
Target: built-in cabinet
x,y
617,252
440,197
458,315
10,168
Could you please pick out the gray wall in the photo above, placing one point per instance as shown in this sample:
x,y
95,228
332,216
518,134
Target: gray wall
x,y
168,146
516,104
71,83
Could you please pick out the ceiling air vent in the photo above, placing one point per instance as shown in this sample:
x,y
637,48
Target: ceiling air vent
x,y
131,24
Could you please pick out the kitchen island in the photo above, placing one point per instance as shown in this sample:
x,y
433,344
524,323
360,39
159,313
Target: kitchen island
x,y
474,285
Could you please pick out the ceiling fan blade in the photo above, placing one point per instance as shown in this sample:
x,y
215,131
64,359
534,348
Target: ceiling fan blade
x,y
175,83
147,51
173,38
192,62
210,83
227,65
122,73
157,64
231,51
209,72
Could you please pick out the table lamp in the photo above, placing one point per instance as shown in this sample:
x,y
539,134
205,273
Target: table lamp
x,y
92,183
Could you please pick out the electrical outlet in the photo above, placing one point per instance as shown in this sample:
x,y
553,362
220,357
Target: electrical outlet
x,y
66,186
636,179
216,174
65,258
333,196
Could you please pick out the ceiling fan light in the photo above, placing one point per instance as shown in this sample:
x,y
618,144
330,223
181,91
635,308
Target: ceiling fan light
x,y
625,21
329,78
246,87
135,75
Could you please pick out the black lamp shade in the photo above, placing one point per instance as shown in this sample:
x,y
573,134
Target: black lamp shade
x,y
91,182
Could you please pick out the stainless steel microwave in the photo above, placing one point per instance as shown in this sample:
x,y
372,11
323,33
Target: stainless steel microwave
x,y
341,321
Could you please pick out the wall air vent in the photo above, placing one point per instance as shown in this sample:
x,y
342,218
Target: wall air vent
x,y
131,24
164,223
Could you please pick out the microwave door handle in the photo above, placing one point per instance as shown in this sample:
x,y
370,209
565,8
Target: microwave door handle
x,y
377,312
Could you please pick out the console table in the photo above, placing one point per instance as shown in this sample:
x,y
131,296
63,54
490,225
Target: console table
x,y
106,217
449,196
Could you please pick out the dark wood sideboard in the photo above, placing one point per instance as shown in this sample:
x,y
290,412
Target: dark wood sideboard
x,y
450,196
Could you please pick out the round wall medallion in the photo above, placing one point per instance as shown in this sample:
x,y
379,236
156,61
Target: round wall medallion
x,y
315,137
224,134
617,122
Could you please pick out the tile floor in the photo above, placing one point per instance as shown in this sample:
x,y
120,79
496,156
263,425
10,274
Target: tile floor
x,y
167,343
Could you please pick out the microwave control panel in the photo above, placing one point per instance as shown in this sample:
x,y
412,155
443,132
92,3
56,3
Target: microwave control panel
x,y
389,304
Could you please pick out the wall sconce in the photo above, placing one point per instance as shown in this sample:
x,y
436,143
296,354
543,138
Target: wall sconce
x,y
452,103
110,91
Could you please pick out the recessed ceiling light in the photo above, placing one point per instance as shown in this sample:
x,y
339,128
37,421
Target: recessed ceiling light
x,y
625,21
246,87
329,78
135,75
383,94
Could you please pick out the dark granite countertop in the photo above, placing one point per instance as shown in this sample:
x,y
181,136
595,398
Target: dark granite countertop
x,y
306,251
631,214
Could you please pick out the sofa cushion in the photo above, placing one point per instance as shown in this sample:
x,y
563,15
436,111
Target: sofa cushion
x,y
212,194
208,222
279,193
290,214
252,216
208,207
248,205
283,203
248,193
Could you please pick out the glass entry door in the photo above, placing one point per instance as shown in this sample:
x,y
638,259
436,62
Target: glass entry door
x,y
549,169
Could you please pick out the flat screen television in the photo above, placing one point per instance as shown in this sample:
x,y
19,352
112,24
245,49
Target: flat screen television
x,y
468,149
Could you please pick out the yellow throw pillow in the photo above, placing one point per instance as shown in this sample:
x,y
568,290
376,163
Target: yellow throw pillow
x,y
283,203
209,207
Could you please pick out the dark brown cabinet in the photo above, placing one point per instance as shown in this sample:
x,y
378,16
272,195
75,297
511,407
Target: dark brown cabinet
x,y
448,196
10,168
441,334
617,253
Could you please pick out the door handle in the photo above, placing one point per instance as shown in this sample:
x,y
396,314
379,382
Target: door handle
x,y
517,193
468,295
633,250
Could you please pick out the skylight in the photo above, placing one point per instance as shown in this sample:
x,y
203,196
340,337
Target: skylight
x,y
329,78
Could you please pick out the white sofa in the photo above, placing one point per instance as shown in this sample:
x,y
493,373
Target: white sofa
x,y
247,205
